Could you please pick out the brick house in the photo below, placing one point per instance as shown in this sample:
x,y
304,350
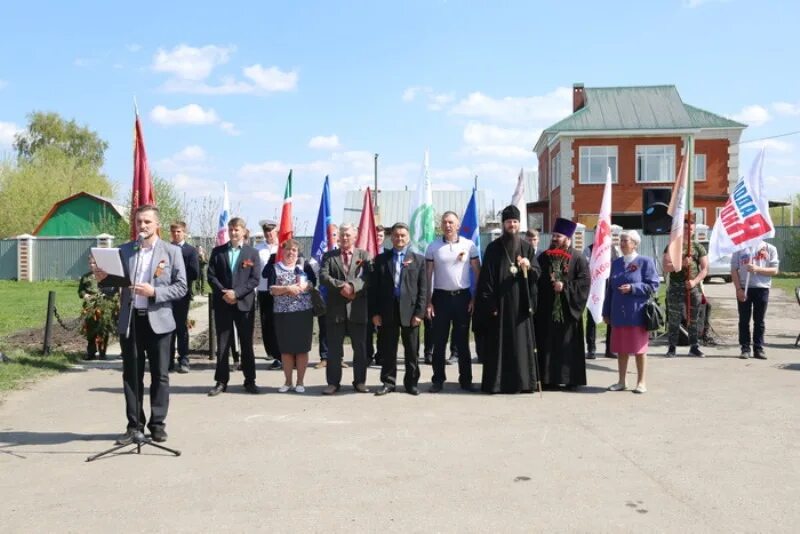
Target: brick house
x,y
640,133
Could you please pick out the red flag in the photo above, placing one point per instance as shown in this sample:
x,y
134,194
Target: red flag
x,y
286,229
143,191
367,235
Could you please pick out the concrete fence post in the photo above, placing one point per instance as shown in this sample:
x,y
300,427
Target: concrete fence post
x,y
25,251
105,241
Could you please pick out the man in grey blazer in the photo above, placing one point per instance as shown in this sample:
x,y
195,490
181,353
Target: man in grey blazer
x,y
397,296
345,272
146,323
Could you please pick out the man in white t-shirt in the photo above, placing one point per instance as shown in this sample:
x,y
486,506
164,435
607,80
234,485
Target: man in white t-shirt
x,y
752,271
266,249
451,298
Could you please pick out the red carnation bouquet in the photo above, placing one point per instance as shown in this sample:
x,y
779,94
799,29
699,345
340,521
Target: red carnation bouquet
x,y
559,266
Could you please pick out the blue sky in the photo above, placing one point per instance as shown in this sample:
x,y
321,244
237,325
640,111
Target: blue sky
x,y
243,92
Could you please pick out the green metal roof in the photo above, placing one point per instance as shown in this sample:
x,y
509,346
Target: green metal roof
x,y
657,107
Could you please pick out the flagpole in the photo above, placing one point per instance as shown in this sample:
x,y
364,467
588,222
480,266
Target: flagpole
x,y
690,214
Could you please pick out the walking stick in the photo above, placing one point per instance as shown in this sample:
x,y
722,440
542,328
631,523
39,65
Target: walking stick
x,y
535,355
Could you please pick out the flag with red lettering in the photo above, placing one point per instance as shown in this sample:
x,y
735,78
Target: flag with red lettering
x,y
600,263
744,220
286,228
677,209
367,234
143,190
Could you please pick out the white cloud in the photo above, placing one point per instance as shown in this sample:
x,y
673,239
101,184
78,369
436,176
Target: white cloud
x,y
437,102
772,145
692,4
133,47
495,141
271,79
228,86
324,142
411,93
781,108
754,115
191,114
7,132
517,110
191,153
191,63
82,62
229,128
193,184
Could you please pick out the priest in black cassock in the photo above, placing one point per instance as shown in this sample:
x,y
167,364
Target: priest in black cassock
x,y
563,290
505,303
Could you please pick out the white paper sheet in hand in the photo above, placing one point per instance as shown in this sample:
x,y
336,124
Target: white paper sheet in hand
x,y
108,260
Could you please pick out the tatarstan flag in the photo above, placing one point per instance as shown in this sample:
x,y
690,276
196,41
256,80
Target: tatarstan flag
x,y
286,228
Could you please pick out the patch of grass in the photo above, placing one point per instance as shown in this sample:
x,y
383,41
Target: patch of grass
x,y
787,282
25,303
25,367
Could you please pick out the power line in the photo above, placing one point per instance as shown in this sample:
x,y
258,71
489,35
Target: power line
x,y
768,137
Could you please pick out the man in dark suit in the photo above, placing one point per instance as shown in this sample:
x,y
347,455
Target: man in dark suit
x,y
345,272
146,322
180,308
397,295
233,273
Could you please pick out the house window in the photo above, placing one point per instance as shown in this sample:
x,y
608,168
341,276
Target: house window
x,y
699,215
555,171
594,164
699,167
655,163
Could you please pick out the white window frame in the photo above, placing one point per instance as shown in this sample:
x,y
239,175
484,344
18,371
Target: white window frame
x,y
589,153
699,215
698,176
642,152
555,171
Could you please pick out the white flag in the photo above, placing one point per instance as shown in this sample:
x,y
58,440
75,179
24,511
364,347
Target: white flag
x,y
421,217
224,217
744,220
677,209
600,263
518,200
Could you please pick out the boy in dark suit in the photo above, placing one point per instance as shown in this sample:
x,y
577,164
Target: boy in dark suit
x,y
233,273
180,308
397,295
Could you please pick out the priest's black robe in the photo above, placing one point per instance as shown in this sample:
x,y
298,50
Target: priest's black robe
x,y
559,345
505,304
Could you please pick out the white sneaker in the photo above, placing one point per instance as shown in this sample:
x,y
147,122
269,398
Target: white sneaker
x,y
299,388
284,388
640,389
619,386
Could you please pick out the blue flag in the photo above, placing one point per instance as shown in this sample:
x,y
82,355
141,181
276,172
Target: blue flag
x,y
470,226
322,241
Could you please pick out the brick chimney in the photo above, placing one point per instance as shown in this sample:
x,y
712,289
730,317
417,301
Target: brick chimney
x,y
578,97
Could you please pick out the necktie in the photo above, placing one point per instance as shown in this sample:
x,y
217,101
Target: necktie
x,y
346,258
398,268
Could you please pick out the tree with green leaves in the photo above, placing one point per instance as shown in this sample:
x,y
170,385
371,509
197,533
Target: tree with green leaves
x,y
48,131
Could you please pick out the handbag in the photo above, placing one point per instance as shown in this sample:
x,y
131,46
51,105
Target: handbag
x,y
317,302
654,316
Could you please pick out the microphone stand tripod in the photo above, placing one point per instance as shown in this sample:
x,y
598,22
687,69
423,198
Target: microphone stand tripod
x,y
138,438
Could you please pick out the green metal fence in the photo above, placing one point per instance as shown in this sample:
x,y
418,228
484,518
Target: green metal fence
x,y
8,259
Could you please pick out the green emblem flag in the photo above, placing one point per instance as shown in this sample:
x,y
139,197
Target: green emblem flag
x,y
420,220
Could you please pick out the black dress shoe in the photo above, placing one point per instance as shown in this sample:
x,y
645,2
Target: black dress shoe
x,y
412,390
469,387
383,390
590,356
428,359
435,387
217,389
360,388
183,368
126,438
250,387
330,390
158,434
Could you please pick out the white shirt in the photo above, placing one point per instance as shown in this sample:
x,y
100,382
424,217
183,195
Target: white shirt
x,y
451,263
265,250
144,274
